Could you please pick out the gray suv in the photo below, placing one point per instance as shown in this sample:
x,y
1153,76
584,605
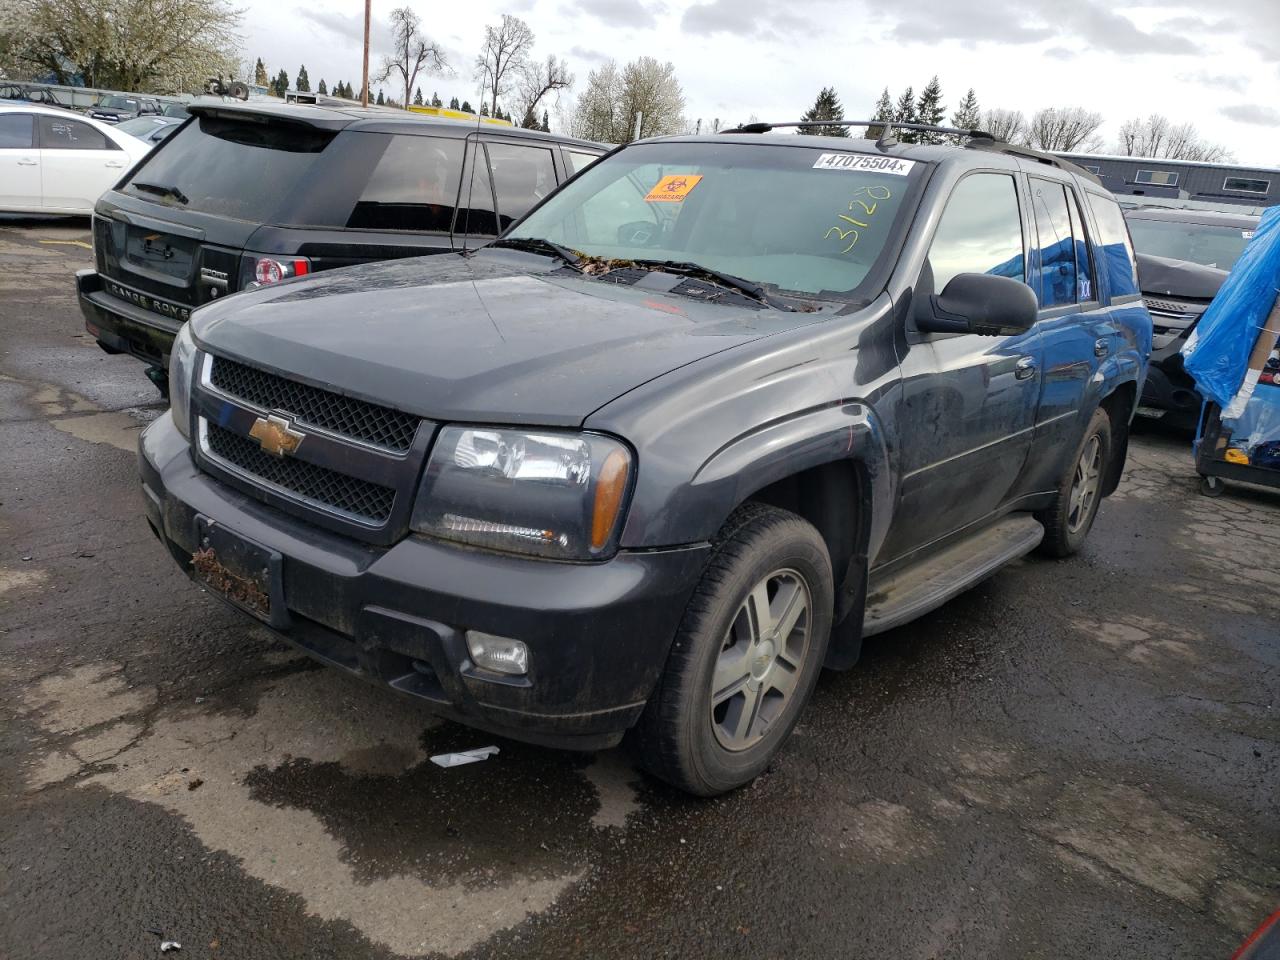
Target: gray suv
x,y
711,414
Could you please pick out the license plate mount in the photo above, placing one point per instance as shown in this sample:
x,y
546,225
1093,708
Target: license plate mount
x,y
244,573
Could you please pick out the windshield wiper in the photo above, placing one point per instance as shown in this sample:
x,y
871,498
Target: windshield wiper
x,y
571,258
752,289
162,190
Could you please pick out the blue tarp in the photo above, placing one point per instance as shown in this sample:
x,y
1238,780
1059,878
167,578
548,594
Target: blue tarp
x,y
1217,353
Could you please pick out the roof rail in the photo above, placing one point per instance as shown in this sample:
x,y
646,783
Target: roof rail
x,y
1030,153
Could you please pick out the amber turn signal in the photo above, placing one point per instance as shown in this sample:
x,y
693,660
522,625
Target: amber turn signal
x,y
610,487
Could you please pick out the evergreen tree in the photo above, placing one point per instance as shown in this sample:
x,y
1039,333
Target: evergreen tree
x,y
546,122
322,90
435,99
281,84
826,107
380,101
904,111
303,83
454,105
929,109
417,98
883,111
466,107
260,78
484,109
967,115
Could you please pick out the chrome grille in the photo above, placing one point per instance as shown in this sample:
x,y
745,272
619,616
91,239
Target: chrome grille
x,y
362,499
346,416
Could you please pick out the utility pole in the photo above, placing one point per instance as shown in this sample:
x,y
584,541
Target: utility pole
x,y
364,87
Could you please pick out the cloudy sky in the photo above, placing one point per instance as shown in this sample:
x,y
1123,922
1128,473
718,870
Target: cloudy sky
x,y
1215,64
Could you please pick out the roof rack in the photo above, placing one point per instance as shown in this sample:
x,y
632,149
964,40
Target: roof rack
x,y
977,139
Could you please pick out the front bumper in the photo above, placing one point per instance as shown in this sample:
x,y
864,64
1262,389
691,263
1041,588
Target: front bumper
x,y
122,327
598,634
1169,386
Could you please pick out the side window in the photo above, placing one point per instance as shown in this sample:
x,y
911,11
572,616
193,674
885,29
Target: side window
x,y
1055,277
475,199
579,160
17,131
413,187
59,134
1115,249
522,176
1086,289
980,231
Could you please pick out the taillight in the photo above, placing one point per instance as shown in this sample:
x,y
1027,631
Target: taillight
x,y
271,270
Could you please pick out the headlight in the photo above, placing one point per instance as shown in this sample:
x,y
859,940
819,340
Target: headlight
x,y
557,495
182,362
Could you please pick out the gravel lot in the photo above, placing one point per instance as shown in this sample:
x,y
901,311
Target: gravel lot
x,y
1076,759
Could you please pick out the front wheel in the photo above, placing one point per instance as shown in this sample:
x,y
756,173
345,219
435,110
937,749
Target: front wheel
x,y
746,657
1068,519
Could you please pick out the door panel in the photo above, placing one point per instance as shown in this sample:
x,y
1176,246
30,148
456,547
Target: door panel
x,y
968,404
1076,330
78,163
19,163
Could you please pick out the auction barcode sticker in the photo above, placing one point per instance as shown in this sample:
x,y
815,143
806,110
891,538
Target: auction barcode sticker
x,y
864,163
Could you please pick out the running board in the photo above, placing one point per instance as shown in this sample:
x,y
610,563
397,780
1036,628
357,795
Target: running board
x,y
898,597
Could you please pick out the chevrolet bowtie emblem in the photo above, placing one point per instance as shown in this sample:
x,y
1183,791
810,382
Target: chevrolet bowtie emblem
x,y
275,436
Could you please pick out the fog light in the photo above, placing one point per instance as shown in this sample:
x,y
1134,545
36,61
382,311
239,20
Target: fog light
x,y
500,654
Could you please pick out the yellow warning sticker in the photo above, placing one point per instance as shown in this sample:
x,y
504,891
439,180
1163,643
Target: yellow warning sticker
x,y
673,189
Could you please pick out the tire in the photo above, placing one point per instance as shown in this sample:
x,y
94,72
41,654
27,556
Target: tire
x,y
1075,506
706,741
239,90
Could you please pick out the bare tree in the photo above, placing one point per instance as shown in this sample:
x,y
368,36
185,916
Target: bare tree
x,y
1157,137
1064,129
413,54
1007,125
156,45
537,81
505,53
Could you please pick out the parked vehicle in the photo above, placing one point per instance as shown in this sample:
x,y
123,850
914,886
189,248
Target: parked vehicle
x,y
1183,258
115,107
150,129
177,111
30,93
52,161
711,414
252,194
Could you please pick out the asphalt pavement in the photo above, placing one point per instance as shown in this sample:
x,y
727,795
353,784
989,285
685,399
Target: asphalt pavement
x,y
1077,759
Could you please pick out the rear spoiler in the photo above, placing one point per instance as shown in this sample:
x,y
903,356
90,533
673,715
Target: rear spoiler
x,y
296,114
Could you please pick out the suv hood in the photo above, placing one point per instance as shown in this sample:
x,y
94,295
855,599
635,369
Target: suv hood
x,y
1178,278
500,337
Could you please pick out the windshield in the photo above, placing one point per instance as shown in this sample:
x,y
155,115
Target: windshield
x,y
139,126
119,103
797,219
1210,245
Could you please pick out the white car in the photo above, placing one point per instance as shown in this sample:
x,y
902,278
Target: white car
x,y
55,161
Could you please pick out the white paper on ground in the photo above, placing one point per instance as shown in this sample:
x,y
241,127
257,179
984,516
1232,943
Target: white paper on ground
x,y
466,756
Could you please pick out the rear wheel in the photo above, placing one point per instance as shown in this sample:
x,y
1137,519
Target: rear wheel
x,y
1067,521
746,657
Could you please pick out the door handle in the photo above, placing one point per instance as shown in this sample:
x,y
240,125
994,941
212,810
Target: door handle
x,y
1101,347
114,163
27,162
1025,368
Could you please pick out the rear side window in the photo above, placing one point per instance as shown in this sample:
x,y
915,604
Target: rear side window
x,y
1085,287
1115,250
59,134
522,176
579,160
1054,279
17,131
242,169
413,187
980,231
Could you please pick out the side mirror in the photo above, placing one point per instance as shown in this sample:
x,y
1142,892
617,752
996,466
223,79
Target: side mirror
x,y
980,303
